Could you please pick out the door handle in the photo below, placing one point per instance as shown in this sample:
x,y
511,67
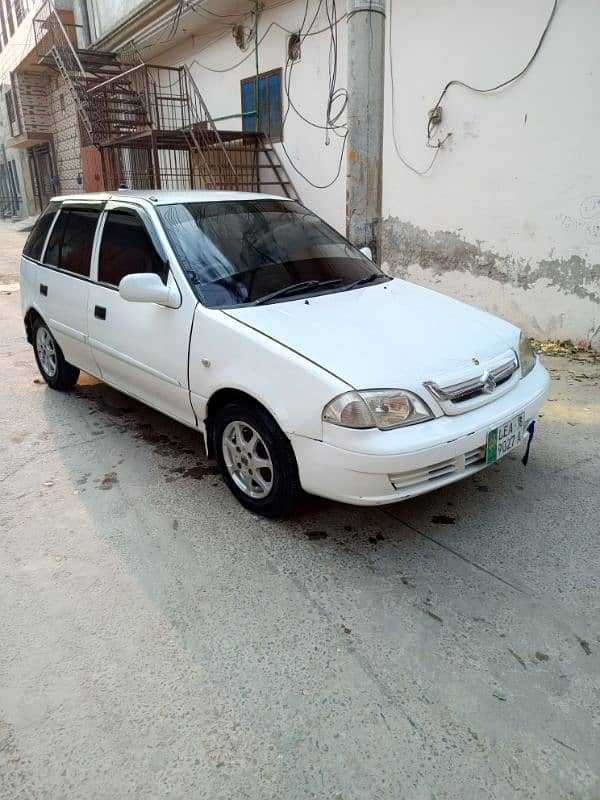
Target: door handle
x,y
100,312
44,289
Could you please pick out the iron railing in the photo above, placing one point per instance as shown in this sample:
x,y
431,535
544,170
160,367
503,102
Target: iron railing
x,y
151,122
53,41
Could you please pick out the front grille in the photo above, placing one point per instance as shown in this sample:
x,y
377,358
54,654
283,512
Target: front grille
x,y
459,465
485,384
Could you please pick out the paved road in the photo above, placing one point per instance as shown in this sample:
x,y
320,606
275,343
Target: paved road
x,y
157,641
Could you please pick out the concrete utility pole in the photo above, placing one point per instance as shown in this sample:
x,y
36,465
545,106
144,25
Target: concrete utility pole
x,y
366,52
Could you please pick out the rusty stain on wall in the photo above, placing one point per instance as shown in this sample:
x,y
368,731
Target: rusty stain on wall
x,y
443,251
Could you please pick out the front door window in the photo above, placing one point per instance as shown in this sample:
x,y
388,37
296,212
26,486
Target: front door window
x,y
127,249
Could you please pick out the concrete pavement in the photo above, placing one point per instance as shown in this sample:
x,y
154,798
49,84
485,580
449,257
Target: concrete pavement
x,y
157,641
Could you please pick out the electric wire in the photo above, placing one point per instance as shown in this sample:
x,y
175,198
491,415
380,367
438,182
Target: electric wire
x,y
406,163
260,41
198,9
245,13
331,120
238,63
451,83
508,81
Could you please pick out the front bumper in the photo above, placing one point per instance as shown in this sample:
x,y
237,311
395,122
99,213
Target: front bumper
x,y
376,467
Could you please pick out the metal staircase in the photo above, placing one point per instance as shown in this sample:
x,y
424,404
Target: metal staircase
x,y
150,122
53,44
117,110
270,171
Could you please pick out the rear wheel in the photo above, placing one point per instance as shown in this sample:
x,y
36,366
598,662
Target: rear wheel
x,y
57,372
256,459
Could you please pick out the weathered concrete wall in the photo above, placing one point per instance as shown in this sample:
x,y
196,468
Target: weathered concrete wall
x,y
508,218
549,298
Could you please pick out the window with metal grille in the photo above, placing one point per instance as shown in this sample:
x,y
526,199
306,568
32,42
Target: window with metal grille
x,y
3,29
9,17
265,115
10,107
12,114
19,7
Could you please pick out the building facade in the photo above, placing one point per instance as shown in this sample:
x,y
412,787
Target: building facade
x,y
504,214
13,175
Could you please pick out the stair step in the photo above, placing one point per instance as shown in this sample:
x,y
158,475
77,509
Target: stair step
x,y
118,104
114,89
275,183
98,55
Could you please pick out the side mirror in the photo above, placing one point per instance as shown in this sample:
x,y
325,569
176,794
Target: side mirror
x,y
147,287
366,251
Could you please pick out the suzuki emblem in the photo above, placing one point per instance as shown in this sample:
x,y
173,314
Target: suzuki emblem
x,y
489,383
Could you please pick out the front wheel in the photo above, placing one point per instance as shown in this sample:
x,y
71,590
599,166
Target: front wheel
x,y
57,372
256,459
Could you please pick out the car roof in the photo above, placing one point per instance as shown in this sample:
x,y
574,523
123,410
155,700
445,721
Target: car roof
x,y
160,198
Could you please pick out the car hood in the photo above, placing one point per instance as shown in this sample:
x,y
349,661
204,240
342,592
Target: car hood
x,y
391,335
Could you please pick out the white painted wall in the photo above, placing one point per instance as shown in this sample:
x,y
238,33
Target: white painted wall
x,y
19,44
107,14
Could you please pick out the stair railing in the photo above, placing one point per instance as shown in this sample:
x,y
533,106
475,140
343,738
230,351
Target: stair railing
x,y
52,39
199,124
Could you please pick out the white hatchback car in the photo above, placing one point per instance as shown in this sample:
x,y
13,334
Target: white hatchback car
x,y
248,318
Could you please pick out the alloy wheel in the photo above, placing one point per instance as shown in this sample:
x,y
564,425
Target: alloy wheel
x,y
46,350
247,459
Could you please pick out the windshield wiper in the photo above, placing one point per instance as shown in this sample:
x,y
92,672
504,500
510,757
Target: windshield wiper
x,y
364,281
293,288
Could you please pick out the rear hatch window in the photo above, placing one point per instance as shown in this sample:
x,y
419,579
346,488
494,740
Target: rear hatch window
x,y
37,238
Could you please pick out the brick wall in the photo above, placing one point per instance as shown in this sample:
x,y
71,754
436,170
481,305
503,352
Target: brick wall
x,y
32,98
67,143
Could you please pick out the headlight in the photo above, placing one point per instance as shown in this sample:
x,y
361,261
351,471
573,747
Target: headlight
x,y
376,408
527,355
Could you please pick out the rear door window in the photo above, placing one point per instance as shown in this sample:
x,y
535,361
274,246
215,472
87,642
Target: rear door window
x,y
35,242
72,239
127,249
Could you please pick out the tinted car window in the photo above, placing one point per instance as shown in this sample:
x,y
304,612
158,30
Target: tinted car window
x,y
240,251
126,249
35,243
71,240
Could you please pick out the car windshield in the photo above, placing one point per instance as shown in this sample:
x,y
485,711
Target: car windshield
x,y
251,251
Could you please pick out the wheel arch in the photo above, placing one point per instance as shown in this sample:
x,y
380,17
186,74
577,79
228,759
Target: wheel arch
x,y
30,317
219,399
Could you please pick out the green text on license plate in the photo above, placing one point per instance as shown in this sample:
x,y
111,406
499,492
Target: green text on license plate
x,y
503,439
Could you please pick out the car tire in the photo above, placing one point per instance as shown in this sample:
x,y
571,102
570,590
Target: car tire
x,y
256,459
57,372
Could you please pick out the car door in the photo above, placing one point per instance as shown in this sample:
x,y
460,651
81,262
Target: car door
x,y
140,348
64,281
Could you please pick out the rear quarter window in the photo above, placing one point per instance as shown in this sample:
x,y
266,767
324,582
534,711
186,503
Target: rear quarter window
x,y
71,240
35,242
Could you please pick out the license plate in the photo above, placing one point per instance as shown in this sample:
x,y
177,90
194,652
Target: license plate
x,y
503,439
